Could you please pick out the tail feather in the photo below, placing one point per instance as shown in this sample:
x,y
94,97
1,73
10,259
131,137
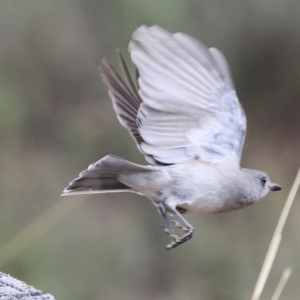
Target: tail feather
x,y
102,177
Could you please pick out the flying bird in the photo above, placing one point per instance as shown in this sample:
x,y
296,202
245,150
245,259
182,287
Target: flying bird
x,y
183,112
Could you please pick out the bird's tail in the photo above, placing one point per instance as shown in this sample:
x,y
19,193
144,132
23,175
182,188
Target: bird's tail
x,y
102,177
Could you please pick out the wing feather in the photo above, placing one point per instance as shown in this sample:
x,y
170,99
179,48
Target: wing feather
x,y
184,105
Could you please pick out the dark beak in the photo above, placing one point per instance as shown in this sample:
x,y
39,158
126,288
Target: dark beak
x,y
275,187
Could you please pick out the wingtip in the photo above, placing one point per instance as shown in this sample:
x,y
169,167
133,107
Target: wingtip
x,y
140,31
154,29
145,32
105,61
119,52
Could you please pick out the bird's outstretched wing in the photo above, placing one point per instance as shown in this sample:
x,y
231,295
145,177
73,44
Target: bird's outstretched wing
x,y
184,105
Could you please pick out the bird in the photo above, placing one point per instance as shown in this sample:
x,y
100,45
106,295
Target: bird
x,y
183,112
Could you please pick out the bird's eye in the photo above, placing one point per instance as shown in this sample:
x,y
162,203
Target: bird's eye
x,y
263,180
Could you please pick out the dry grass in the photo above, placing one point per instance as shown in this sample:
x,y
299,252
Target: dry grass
x,y
269,259
284,278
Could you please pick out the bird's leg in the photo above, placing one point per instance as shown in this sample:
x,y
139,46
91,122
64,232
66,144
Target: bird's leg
x,y
189,229
168,228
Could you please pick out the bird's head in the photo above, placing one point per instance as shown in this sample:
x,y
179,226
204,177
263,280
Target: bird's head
x,y
261,183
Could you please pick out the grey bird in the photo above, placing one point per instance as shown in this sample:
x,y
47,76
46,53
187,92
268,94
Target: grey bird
x,y
183,112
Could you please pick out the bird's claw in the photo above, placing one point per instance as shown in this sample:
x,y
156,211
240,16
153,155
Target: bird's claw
x,y
176,239
167,231
178,225
181,240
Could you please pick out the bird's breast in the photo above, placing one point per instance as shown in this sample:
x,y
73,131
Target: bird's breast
x,y
209,188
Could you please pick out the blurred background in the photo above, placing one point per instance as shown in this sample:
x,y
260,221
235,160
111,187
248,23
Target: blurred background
x,y
56,118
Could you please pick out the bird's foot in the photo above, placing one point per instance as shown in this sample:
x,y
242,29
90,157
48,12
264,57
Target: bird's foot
x,y
179,240
173,236
178,225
